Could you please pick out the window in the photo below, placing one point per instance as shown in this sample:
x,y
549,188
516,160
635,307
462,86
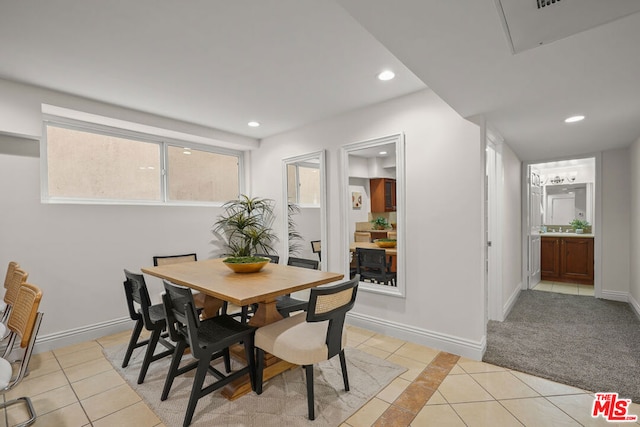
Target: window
x,y
95,164
303,184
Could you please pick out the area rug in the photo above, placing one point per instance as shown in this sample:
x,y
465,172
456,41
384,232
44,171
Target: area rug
x,y
581,341
283,401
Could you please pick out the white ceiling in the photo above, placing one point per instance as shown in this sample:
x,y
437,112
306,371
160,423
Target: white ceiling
x,y
286,63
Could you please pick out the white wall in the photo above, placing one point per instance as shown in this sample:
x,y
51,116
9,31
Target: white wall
x,y
444,306
616,222
511,227
634,235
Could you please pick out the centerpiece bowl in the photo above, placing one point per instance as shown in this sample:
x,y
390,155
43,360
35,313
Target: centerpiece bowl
x,y
246,264
386,243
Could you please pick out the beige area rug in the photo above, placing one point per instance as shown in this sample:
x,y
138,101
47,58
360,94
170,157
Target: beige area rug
x,y
283,401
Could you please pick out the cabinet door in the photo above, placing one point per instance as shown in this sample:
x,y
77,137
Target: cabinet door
x,y
577,262
550,258
389,195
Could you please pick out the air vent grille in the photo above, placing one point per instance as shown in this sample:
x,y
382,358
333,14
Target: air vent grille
x,y
545,3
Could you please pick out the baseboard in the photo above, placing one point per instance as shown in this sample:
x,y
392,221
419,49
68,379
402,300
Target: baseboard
x,y
635,305
511,301
615,295
84,333
456,345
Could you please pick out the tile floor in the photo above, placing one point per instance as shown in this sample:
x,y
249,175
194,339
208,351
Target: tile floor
x,y
564,288
77,386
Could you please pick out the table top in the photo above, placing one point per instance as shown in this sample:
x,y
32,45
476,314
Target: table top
x,y
215,279
370,245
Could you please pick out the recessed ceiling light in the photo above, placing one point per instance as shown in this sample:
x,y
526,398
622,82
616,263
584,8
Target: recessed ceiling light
x,y
382,153
253,124
573,119
386,75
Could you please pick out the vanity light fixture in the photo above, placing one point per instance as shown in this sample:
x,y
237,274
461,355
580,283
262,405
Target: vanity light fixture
x,y
386,75
573,119
253,124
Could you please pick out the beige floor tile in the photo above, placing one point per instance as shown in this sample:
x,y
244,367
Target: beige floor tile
x,y
437,416
485,414
43,366
368,414
414,368
579,406
393,390
565,288
75,348
538,412
53,399
358,335
67,360
69,416
546,387
115,339
108,402
476,367
456,370
586,290
384,342
417,352
374,351
437,399
84,370
462,388
544,286
504,385
34,386
97,384
137,415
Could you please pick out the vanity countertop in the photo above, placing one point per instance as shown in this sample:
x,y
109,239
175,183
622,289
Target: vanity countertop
x,y
563,234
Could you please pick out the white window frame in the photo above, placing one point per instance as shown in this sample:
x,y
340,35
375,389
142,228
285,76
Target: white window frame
x,y
308,165
163,143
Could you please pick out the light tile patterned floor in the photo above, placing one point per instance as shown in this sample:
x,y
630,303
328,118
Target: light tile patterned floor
x,y
76,386
564,288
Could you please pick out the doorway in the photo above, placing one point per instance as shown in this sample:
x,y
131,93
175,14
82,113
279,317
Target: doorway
x,y
561,226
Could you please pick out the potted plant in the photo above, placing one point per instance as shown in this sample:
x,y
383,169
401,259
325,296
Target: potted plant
x,y
579,225
380,223
245,227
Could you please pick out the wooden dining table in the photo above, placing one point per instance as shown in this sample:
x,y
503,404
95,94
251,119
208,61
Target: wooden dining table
x,y
218,284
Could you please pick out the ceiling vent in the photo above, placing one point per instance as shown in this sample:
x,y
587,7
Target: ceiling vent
x,y
545,3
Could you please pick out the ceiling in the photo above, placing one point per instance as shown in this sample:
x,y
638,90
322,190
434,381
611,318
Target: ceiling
x,y
287,63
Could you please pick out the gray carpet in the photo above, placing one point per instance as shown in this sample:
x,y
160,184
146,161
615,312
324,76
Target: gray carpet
x,y
581,341
283,401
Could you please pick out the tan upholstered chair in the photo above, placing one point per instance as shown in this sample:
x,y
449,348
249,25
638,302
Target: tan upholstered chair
x,y
7,281
23,324
308,338
19,277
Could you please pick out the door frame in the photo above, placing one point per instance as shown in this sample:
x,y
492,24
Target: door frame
x,y
494,175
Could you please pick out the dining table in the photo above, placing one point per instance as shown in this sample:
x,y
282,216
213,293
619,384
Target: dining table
x,y
213,279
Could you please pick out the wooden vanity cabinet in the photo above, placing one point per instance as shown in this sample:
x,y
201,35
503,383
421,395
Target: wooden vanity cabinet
x,y
567,259
383,194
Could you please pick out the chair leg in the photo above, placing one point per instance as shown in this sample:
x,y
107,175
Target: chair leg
x,y
151,347
196,390
343,365
250,356
245,314
259,369
226,355
173,368
137,329
29,406
309,370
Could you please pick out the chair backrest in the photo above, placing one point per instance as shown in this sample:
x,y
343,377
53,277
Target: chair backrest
x,y
275,259
181,314
303,262
372,260
332,303
135,288
10,269
173,259
24,323
316,248
19,277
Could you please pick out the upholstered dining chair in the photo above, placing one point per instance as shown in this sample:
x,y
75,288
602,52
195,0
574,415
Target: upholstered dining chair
x,y
307,339
23,324
286,304
18,278
151,317
208,339
372,265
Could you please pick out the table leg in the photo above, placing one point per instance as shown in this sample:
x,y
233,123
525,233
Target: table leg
x,y
265,314
212,305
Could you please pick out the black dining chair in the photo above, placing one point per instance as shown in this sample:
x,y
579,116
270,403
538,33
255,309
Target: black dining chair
x,y
151,317
208,340
322,328
286,304
316,248
372,265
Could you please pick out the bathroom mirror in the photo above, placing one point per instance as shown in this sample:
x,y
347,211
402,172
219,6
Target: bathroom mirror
x,y
373,187
305,204
564,203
